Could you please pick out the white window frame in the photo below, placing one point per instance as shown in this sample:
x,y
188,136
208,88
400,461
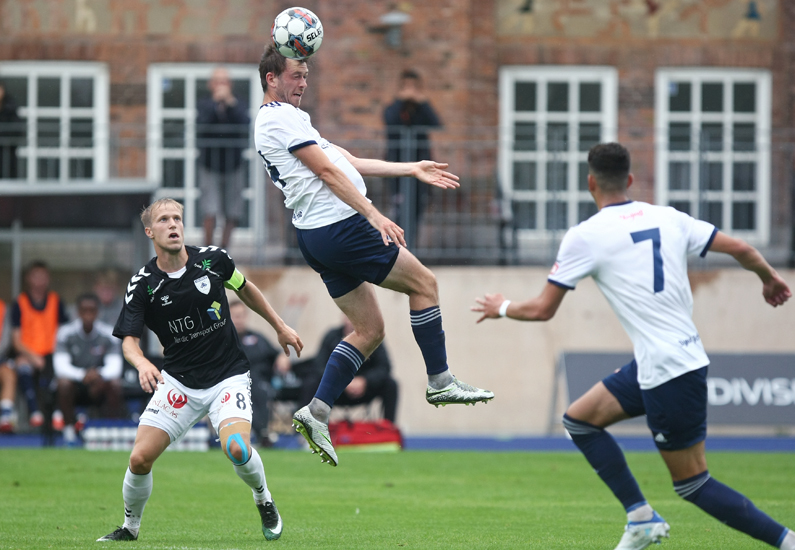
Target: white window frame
x,y
98,152
607,117
760,156
156,153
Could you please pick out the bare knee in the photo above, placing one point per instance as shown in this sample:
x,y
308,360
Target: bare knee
x,y
140,464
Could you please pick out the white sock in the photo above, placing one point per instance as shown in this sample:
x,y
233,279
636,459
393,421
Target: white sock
x,y
136,491
6,405
441,380
789,541
641,513
253,473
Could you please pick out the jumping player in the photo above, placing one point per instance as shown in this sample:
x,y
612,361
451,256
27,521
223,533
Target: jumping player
x,y
637,255
349,243
180,296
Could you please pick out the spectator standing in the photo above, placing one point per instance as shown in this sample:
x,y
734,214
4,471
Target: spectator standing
x,y
88,368
408,119
222,132
11,132
8,377
266,361
35,317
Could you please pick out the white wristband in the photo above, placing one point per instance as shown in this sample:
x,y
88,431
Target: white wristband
x,y
504,308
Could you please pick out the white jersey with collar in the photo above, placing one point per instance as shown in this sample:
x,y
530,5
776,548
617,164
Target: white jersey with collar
x,y
279,130
637,254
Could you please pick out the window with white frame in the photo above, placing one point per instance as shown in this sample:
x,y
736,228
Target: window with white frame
x,y
63,133
174,91
713,147
550,117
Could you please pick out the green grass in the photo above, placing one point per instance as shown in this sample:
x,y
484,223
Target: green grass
x,y
63,499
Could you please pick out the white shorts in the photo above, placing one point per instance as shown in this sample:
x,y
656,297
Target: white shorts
x,y
175,408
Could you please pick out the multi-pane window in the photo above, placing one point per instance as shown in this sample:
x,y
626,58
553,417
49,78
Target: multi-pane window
x,y
174,92
549,118
713,138
62,132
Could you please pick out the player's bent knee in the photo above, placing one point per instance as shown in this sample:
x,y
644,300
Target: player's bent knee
x,y
237,450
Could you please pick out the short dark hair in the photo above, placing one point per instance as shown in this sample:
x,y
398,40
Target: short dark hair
x,y
37,264
272,62
609,165
87,297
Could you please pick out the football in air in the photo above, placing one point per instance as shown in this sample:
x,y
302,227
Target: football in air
x,y
297,33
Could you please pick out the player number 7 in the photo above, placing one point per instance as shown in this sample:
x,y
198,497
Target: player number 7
x,y
654,236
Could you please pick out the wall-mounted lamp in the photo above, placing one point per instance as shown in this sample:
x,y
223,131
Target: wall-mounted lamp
x,y
392,23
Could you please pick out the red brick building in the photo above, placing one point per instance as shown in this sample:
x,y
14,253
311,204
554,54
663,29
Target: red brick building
x,y
702,91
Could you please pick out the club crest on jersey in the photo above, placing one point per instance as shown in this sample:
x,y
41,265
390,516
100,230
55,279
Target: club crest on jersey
x,y
203,284
215,311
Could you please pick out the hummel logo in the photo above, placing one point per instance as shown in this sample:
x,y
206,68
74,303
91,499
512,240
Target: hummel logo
x,y
260,489
127,513
166,300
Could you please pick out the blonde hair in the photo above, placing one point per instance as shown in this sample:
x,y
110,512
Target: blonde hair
x,y
146,214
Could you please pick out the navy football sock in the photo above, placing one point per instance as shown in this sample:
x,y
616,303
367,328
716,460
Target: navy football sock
x,y
730,507
427,327
606,457
342,366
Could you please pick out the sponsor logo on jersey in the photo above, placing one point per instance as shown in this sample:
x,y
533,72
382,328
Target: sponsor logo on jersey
x,y
176,399
226,397
166,300
215,311
631,216
151,410
554,268
203,284
206,264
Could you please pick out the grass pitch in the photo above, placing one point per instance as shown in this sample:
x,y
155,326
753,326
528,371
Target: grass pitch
x,y
63,499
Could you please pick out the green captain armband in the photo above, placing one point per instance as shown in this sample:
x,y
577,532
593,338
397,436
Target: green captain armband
x,y
236,282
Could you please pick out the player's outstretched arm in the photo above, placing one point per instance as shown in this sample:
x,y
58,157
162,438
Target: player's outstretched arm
x,y
541,308
148,374
313,157
427,171
774,289
256,302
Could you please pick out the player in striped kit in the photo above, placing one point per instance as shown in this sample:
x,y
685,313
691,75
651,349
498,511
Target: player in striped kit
x,y
349,243
637,255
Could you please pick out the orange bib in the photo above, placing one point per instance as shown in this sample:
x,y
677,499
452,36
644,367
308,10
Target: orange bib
x,y
38,329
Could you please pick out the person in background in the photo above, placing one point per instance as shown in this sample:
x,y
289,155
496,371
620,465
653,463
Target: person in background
x,y
408,120
11,134
88,368
266,360
8,377
35,317
372,380
222,136
109,292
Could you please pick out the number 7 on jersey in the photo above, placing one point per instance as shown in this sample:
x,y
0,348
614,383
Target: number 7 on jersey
x,y
654,236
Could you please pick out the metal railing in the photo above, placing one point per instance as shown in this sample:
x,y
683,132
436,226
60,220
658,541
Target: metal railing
x,y
478,224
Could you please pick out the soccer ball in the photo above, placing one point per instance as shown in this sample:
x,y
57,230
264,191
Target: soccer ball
x,y
297,33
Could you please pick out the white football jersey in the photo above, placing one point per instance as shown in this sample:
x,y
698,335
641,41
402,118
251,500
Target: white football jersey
x,y
637,254
281,129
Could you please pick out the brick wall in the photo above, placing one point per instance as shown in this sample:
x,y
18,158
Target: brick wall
x,y
453,43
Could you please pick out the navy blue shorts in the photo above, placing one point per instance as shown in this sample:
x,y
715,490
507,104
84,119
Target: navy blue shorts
x,y
347,253
676,411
